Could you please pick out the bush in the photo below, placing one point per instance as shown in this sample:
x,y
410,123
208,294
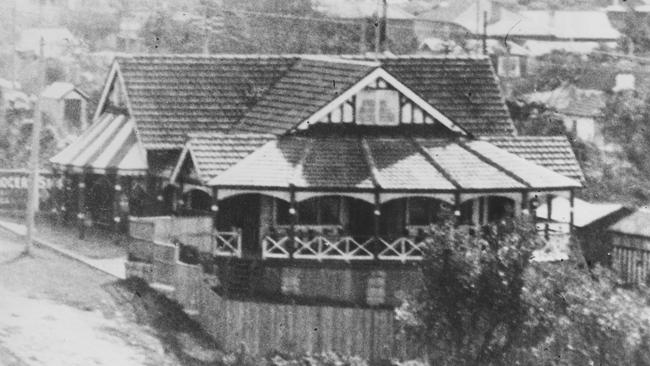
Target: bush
x,y
484,302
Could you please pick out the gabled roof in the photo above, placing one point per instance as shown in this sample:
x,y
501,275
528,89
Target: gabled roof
x,y
171,95
213,153
570,100
584,213
552,152
637,224
556,24
59,89
465,89
309,85
391,164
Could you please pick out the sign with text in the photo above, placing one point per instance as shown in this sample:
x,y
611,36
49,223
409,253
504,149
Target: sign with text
x,y
14,184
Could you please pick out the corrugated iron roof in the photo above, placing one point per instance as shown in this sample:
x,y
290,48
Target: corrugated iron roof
x,y
109,144
637,223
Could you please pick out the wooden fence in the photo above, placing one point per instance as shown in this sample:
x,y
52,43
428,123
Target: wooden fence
x,y
266,327
631,258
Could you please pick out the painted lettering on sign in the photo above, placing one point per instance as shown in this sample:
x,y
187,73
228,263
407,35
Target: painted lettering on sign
x,y
14,185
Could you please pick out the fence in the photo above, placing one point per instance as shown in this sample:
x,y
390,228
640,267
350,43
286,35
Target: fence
x,y
266,327
165,228
631,258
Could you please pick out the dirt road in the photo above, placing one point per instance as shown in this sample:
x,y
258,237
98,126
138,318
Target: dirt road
x,y
55,311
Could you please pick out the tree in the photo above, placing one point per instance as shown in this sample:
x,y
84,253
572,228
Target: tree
x,y
472,309
484,302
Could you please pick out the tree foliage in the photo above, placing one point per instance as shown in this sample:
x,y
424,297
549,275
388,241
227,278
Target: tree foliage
x,y
269,27
484,302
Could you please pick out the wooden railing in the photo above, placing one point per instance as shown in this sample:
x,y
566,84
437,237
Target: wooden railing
x,y
403,249
345,248
227,244
320,247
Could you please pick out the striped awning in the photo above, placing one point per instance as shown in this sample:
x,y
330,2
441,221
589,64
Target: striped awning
x,y
110,144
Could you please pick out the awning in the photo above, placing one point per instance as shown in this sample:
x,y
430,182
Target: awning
x,y
109,144
584,213
395,164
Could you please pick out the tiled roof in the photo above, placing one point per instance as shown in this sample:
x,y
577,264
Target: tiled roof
x,y
465,89
552,152
395,164
213,153
310,84
171,95
637,223
570,100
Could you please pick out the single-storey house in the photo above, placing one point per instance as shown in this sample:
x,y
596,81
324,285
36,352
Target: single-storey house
x,y
320,176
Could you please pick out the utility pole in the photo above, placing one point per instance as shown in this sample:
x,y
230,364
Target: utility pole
x,y
13,48
377,31
485,52
206,32
380,29
34,178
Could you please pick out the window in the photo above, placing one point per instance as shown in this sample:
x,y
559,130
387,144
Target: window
x,y
509,66
282,216
314,211
423,211
378,107
72,112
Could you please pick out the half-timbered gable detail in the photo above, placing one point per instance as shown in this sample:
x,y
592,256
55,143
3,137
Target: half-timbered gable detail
x,y
305,171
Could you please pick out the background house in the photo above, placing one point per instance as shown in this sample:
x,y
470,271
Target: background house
x,y
579,109
65,109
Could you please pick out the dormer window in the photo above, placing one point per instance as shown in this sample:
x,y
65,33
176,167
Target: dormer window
x,y
377,107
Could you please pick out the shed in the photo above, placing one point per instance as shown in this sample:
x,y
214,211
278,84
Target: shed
x,y
630,239
590,224
65,108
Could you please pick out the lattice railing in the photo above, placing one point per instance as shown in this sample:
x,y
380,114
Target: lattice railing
x,y
227,243
402,249
345,248
275,248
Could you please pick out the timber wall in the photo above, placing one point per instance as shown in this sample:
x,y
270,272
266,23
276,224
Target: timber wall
x,y
266,327
631,257
366,332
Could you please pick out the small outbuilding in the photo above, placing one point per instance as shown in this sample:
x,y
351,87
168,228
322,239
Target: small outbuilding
x,y
630,239
65,109
590,223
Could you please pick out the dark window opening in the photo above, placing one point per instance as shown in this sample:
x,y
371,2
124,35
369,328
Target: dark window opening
x,y
72,112
500,208
423,211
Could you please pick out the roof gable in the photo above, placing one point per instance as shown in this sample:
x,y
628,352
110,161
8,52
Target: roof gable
x,y
380,78
171,95
465,89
